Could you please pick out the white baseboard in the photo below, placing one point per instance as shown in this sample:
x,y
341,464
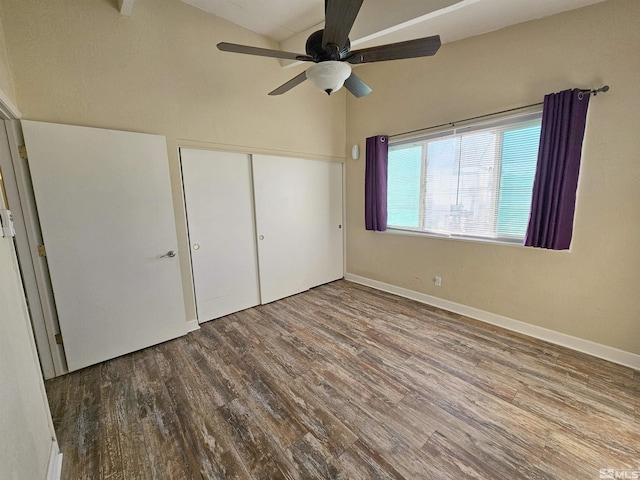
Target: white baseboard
x,y
55,462
193,325
611,354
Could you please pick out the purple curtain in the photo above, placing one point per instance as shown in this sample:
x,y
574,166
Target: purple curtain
x,y
554,188
375,183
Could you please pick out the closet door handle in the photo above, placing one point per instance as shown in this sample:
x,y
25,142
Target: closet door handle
x,y
261,237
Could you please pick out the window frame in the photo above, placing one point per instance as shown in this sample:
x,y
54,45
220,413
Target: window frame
x,y
522,116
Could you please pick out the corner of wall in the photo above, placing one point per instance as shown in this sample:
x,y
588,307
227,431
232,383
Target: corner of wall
x,y
7,87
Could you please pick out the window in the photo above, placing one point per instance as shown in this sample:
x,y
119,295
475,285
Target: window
x,y
472,181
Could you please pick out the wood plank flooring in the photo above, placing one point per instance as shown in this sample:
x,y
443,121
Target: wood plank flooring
x,y
345,382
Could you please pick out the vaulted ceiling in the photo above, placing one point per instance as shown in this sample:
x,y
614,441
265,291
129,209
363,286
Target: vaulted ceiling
x,y
380,21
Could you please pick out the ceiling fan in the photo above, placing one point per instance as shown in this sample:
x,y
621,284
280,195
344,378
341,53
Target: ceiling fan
x,y
330,51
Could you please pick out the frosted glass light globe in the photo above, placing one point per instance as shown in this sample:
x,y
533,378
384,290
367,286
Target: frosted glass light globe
x,y
329,76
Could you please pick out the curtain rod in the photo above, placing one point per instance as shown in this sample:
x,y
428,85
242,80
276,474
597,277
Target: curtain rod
x,y
581,95
595,92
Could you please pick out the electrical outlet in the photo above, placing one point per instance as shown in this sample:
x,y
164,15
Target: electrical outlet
x,y
437,281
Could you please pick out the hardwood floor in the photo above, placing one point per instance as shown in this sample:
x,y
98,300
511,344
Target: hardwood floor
x,y
347,382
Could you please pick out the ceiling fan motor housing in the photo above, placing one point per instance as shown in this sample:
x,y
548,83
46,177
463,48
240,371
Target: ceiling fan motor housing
x,y
315,49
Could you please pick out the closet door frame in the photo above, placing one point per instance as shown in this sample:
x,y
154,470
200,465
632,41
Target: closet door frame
x,y
297,281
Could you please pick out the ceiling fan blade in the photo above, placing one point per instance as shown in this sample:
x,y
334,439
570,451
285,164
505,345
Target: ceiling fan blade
x,y
262,52
339,18
421,47
356,86
285,87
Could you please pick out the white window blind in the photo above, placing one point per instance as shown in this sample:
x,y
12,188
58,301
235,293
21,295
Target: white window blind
x,y
472,181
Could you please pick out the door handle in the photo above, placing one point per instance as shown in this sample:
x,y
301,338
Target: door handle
x,y
169,254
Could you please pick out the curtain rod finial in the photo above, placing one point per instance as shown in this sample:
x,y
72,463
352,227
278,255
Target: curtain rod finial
x,y
595,91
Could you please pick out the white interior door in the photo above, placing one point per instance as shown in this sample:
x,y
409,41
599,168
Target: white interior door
x,y
104,202
219,204
299,224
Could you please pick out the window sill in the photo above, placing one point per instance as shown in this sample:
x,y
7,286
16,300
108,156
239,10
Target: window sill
x,y
414,233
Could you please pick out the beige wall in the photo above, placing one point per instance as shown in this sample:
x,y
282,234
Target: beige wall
x,y
159,71
590,292
6,80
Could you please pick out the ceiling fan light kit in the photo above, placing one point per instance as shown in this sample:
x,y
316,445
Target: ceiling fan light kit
x,y
330,51
329,76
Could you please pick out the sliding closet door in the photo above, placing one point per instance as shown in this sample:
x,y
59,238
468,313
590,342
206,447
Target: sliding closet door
x,y
219,204
325,262
299,224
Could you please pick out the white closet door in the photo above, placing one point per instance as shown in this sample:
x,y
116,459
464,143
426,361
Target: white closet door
x,y
105,207
219,204
325,261
298,218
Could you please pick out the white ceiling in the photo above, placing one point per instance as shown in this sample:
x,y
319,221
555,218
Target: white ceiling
x,y
380,21
276,19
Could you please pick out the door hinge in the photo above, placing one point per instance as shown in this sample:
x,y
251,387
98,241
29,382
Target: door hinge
x,y
58,339
22,151
42,252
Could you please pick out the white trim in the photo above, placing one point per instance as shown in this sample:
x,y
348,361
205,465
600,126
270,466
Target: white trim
x,y
605,352
253,150
7,109
24,214
344,219
393,230
54,470
193,325
37,281
29,280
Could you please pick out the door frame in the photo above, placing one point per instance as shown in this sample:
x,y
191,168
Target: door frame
x,y
34,269
9,115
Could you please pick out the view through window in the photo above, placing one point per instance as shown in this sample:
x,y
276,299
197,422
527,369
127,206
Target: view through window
x,y
473,181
